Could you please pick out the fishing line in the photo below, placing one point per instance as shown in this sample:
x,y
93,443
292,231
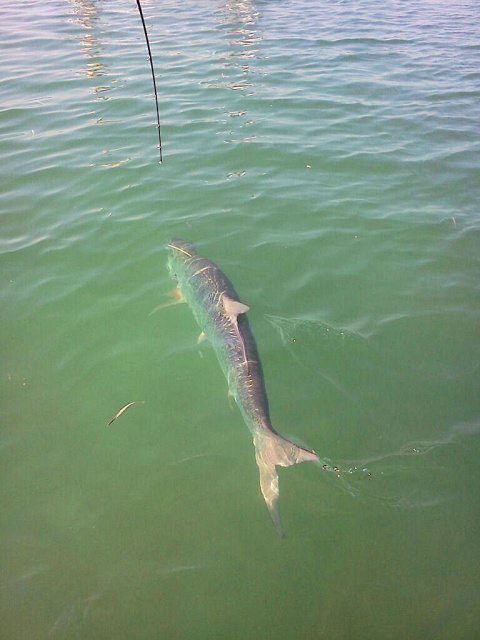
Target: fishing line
x,y
153,78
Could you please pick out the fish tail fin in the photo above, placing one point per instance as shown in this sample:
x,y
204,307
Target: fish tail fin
x,y
271,449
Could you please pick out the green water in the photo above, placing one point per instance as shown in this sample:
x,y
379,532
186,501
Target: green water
x,y
326,155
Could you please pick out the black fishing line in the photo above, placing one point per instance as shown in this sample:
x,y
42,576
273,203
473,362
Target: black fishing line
x,y
153,78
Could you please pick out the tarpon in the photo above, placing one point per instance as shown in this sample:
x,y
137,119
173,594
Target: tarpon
x,y
221,317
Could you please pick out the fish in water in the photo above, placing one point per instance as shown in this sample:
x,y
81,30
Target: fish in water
x,y
221,317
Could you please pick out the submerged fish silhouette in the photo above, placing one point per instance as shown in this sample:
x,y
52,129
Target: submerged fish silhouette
x,y
221,316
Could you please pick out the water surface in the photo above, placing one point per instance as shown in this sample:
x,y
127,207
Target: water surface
x,y
326,155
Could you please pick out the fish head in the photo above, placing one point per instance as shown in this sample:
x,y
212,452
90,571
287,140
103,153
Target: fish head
x,y
180,254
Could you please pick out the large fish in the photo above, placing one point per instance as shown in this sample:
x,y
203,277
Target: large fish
x,y
221,317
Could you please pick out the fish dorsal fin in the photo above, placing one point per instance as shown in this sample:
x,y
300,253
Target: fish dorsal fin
x,y
233,308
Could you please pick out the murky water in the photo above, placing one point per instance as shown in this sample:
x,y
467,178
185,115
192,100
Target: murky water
x,y
326,156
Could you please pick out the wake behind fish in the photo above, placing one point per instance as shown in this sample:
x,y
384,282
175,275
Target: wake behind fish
x,y
416,476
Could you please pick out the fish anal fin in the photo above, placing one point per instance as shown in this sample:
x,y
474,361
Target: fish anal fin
x,y
201,337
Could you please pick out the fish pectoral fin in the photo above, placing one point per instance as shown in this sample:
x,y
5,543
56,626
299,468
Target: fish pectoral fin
x,y
233,308
175,298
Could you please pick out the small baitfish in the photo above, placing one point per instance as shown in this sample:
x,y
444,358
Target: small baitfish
x,y
221,317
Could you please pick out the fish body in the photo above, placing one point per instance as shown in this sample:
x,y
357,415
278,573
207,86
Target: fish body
x,y
223,321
